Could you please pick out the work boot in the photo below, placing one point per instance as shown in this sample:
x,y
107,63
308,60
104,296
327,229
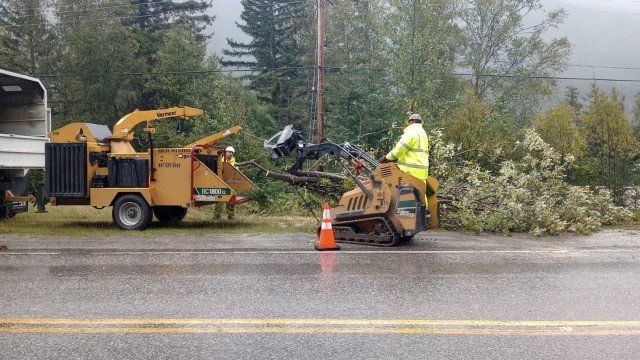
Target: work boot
x,y
217,210
231,211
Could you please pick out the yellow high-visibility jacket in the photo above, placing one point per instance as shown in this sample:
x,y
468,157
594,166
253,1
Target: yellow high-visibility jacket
x,y
412,152
232,161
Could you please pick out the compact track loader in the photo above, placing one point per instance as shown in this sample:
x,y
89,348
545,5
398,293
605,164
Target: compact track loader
x,y
86,164
386,207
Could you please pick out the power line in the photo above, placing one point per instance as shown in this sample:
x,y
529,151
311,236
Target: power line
x,y
605,67
87,20
84,7
87,6
164,73
198,72
549,77
603,12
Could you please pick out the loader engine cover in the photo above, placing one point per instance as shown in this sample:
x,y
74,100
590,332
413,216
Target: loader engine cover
x,y
411,212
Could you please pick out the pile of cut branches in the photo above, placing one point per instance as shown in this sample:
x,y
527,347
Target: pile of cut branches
x,y
530,194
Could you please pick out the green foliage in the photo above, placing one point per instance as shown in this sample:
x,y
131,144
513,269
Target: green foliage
x,y
571,97
558,128
152,17
422,36
276,48
84,52
610,143
481,132
283,199
496,38
359,103
529,195
25,35
384,57
636,115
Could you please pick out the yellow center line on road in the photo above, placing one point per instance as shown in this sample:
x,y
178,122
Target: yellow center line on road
x,y
317,326
320,321
313,330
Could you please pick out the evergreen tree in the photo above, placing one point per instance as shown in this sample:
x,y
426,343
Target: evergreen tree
x,y
636,114
611,144
224,100
25,36
276,48
572,97
152,16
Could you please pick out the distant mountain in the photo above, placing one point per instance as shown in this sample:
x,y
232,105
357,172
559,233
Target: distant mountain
x,y
605,34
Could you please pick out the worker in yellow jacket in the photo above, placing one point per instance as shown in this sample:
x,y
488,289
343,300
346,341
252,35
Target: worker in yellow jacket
x,y
229,156
411,153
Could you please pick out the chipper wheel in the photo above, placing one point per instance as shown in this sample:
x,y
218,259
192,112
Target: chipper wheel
x,y
131,212
167,214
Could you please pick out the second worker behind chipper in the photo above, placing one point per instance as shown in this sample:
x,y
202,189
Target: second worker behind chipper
x,y
229,156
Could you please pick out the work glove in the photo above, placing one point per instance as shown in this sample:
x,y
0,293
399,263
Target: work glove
x,y
383,160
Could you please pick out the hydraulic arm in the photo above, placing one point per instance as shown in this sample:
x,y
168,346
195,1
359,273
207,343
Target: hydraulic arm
x,y
387,206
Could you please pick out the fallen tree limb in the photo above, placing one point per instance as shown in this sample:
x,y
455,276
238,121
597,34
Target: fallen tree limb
x,y
297,178
326,185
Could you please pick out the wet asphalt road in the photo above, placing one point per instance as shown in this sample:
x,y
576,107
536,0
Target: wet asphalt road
x,y
269,296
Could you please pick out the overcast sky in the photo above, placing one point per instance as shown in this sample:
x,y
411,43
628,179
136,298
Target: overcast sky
x,y
602,33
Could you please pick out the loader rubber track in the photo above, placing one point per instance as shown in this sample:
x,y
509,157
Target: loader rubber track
x,y
382,233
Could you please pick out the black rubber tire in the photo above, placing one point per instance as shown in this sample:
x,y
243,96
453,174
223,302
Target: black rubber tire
x,y
151,216
131,212
167,214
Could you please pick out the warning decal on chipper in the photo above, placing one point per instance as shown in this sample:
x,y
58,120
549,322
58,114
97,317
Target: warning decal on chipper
x,y
211,194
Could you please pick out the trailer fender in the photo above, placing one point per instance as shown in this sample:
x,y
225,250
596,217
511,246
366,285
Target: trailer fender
x,y
101,197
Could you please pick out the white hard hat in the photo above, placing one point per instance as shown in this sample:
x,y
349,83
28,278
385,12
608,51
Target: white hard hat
x,y
230,149
415,117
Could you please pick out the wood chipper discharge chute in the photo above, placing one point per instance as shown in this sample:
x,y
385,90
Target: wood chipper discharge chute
x,y
86,164
387,205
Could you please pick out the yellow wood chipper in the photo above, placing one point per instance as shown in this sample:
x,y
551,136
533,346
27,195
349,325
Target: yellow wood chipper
x,y
86,164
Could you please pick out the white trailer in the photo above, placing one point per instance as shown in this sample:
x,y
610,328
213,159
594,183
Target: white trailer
x,y
25,123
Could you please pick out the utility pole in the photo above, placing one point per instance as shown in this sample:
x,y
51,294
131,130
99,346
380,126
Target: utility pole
x,y
321,68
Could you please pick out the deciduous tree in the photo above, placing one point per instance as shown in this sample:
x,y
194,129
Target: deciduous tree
x,y
558,128
508,55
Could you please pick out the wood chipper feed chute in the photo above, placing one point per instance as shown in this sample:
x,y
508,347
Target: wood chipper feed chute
x,y
385,207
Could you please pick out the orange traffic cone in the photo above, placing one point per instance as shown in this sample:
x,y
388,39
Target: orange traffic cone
x,y
326,240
